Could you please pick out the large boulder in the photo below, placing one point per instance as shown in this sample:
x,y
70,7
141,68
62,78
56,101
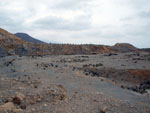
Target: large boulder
x,y
18,98
9,107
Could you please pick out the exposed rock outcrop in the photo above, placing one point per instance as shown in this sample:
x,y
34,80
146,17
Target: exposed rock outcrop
x,y
11,45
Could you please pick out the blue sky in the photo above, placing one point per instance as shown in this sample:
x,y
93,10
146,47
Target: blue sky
x,y
79,21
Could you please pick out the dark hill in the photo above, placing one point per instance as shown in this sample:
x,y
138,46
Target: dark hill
x,y
28,38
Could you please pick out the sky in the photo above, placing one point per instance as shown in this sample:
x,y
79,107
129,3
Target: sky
x,y
79,21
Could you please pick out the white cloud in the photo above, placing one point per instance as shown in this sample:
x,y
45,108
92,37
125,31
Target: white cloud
x,y
79,21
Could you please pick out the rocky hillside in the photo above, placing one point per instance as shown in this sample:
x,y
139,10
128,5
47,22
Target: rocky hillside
x,y
146,50
28,38
13,45
124,47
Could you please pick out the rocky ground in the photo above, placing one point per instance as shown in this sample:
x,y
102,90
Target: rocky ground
x,y
104,83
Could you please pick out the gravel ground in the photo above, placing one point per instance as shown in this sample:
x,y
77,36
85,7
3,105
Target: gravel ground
x,y
104,83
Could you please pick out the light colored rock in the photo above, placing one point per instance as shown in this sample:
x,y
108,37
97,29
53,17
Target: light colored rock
x,y
32,102
33,109
20,96
2,79
148,91
38,100
45,105
104,109
17,110
11,52
41,97
9,107
21,88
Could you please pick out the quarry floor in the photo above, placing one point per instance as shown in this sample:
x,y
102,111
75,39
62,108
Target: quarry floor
x,y
100,83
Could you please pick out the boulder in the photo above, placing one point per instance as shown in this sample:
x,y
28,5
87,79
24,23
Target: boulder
x,y
11,52
9,107
18,98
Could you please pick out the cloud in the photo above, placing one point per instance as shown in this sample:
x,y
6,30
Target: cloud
x,y
71,4
57,23
144,14
8,22
79,21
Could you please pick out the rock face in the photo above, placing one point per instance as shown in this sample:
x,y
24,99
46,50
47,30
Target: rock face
x,y
11,45
2,53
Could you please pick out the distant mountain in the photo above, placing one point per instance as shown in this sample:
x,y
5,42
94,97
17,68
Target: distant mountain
x,y
13,45
146,49
28,38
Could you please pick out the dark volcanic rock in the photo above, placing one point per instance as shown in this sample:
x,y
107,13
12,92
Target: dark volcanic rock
x,y
28,38
21,51
141,88
2,53
110,54
9,62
